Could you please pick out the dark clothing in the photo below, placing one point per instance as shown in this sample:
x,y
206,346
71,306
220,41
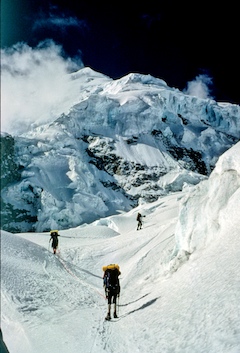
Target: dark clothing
x,y
54,238
112,296
139,219
112,285
112,289
54,241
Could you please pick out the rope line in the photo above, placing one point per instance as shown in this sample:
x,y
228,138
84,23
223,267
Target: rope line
x,y
76,277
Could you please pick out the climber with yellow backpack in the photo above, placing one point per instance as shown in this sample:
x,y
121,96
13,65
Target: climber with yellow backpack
x,y
112,287
54,237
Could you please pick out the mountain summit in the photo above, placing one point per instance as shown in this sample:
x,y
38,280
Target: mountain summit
x,y
123,143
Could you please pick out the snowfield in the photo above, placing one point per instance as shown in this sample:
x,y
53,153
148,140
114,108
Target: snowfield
x,y
179,278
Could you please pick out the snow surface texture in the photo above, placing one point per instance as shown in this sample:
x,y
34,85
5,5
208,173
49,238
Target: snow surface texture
x,y
179,284
126,142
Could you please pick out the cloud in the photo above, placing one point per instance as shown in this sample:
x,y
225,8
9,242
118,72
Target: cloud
x,y
35,85
60,22
200,87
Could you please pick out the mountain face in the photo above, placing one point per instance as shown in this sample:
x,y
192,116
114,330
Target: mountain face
x,y
126,142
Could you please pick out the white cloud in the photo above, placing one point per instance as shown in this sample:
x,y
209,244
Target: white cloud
x,y
199,87
34,83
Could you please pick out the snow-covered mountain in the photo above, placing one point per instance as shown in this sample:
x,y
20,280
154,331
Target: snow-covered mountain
x,y
179,277
122,143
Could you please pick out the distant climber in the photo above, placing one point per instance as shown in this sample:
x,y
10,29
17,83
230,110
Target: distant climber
x,y
54,237
139,220
112,287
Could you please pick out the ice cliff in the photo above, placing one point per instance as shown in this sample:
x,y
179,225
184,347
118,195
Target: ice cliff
x,y
125,142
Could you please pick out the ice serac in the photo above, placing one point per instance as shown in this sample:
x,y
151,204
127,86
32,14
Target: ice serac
x,y
211,209
125,142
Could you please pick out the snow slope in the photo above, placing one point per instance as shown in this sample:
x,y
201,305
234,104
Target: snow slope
x,y
179,283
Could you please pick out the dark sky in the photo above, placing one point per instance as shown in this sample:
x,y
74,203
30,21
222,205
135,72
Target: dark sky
x,y
172,40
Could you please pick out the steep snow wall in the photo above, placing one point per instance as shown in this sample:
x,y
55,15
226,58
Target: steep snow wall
x,y
212,208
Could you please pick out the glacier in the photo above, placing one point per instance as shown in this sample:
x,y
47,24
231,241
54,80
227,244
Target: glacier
x,y
123,143
167,304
